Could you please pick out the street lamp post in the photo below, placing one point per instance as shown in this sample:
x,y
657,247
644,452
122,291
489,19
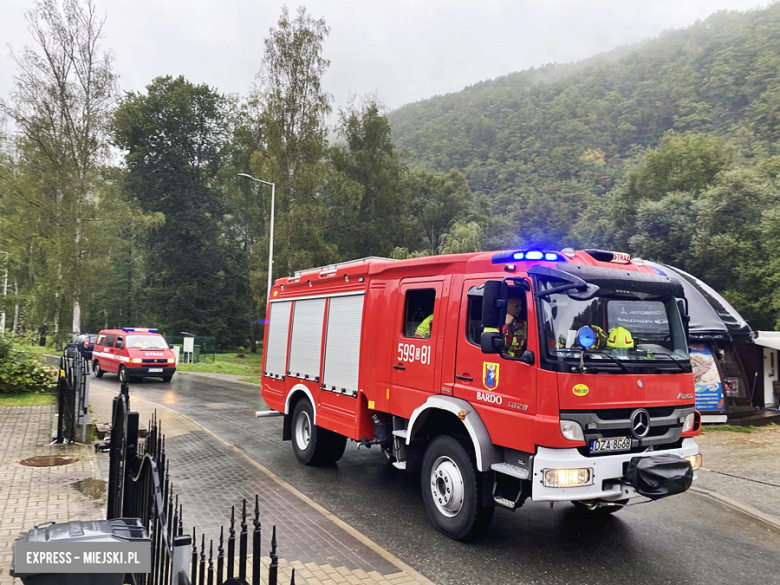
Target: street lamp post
x,y
5,295
271,242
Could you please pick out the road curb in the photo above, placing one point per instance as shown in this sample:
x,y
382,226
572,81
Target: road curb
x,y
208,376
388,556
744,508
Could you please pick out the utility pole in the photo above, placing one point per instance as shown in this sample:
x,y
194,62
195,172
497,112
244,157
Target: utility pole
x,y
270,248
271,231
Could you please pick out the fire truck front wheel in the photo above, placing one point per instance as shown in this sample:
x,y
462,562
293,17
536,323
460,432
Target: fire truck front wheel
x,y
451,489
314,445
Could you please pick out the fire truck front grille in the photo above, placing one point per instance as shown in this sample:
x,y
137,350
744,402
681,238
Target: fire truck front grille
x,y
155,361
625,413
665,425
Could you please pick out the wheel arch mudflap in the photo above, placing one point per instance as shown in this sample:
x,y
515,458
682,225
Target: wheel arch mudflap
x,y
486,453
293,396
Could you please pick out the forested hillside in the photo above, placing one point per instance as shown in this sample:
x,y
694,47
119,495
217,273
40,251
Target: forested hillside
x,y
663,149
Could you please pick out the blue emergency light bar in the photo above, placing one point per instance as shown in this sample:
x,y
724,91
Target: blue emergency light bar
x,y
525,255
137,329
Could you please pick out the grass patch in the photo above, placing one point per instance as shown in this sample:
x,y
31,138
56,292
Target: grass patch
x,y
248,366
38,350
720,428
28,399
252,380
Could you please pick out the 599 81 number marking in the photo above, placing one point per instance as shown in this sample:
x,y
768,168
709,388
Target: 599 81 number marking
x,y
411,353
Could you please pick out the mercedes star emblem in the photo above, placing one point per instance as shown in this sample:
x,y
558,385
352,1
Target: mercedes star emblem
x,y
640,423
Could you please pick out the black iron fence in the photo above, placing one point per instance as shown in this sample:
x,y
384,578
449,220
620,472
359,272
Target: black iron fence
x,y
72,398
139,486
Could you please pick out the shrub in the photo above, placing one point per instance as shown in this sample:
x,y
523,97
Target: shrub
x,y
21,371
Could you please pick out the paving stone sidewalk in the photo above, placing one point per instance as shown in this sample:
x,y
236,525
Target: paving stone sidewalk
x,y
32,495
209,476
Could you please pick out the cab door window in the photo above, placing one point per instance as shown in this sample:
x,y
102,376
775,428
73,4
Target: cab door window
x,y
120,343
418,313
474,326
515,328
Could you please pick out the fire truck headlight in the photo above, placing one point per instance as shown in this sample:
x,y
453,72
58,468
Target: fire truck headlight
x,y
572,430
171,360
695,461
136,360
688,424
567,478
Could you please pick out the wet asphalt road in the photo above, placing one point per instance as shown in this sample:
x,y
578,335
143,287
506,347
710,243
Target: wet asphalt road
x,y
688,539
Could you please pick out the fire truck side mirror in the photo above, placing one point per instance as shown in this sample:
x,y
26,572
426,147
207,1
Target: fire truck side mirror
x,y
686,318
492,342
494,305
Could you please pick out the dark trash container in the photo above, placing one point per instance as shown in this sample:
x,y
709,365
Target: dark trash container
x,y
117,530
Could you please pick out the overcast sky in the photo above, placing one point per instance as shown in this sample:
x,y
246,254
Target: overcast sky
x,y
403,50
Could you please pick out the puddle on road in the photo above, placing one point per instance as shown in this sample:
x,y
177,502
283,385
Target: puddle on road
x,y
48,460
93,488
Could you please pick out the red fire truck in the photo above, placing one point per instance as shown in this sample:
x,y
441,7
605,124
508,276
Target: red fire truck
x,y
594,406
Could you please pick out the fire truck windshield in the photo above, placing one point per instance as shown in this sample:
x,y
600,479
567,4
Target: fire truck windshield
x,y
146,342
627,329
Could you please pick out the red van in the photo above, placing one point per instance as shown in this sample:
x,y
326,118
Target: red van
x,y
133,353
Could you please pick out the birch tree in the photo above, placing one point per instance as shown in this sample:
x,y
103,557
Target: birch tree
x,y
291,108
64,93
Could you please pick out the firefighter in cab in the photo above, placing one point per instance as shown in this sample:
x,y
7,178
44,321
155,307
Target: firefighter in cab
x,y
515,328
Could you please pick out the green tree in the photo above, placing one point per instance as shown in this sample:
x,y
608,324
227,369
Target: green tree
x,y
687,163
62,101
291,108
174,138
664,229
437,201
733,253
248,211
366,194
462,238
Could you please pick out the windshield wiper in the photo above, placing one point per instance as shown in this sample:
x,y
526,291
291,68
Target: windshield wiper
x,y
585,352
682,368
606,355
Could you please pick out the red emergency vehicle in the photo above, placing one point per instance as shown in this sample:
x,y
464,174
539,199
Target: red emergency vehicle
x,y
596,408
133,353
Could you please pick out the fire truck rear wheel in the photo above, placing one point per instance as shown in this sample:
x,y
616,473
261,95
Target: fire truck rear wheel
x,y
451,489
122,374
313,445
96,369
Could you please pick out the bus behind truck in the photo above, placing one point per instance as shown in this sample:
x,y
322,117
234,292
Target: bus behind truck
x,y
589,398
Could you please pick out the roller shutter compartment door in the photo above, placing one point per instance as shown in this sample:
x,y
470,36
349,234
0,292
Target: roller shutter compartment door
x,y
306,343
278,337
342,344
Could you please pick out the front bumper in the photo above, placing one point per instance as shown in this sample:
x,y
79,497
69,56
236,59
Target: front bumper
x,y
143,372
608,473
